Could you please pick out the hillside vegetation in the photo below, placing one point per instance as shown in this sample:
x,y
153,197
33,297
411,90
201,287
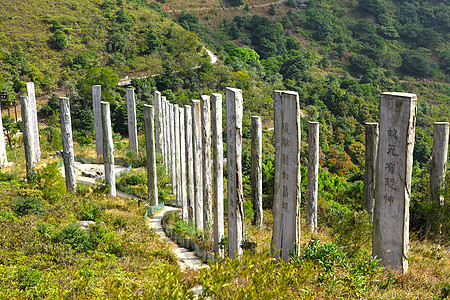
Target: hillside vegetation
x,y
338,55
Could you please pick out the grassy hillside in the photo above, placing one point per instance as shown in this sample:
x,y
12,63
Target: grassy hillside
x,y
51,42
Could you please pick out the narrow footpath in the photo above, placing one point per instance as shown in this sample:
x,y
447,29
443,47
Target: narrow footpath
x,y
186,258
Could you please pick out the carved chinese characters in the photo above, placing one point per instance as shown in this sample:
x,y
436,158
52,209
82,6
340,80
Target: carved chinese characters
x,y
393,179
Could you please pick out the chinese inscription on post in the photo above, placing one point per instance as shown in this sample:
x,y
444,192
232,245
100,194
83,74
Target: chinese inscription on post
x,y
390,181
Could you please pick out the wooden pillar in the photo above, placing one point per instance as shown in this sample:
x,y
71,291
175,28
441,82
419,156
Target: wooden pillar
x,y
256,178
183,189
286,206
198,172
390,235
313,175
132,127
97,107
372,136
67,141
176,131
189,163
152,180
217,144
234,105
438,161
207,176
158,121
27,128
34,120
3,157
173,164
108,148
166,134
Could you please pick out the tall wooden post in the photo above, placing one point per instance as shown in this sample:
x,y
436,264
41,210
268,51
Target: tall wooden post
x,y
198,174
207,176
390,235
286,205
132,126
372,136
3,157
97,107
34,120
256,178
27,128
173,163
217,143
234,104
183,188
189,163
158,121
313,175
166,134
152,179
438,161
108,149
67,141
176,131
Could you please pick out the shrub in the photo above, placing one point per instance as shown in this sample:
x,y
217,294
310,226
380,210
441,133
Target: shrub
x,y
26,205
51,182
27,277
90,212
80,239
328,255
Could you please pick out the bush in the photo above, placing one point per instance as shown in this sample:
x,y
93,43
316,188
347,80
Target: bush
x,y
27,277
327,255
51,182
26,205
80,239
361,63
415,64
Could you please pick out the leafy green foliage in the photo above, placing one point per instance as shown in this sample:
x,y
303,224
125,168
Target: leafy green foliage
x,y
26,205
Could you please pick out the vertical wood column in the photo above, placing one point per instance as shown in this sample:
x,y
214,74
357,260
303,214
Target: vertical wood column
x,y
152,179
34,120
198,172
97,107
3,157
132,127
108,149
183,189
286,206
158,122
27,129
256,178
67,141
313,175
173,164
217,144
207,176
390,235
438,161
176,131
234,104
166,134
189,163
372,136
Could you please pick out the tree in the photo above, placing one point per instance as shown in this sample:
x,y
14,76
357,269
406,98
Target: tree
x,y
373,7
272,10
294,67
415,64
168,80
102,76
236,3
361,64
59,41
